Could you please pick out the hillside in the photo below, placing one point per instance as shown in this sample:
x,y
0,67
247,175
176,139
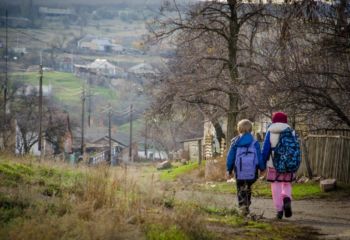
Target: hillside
x,y
51,200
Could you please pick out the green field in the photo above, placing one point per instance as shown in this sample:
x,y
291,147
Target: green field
x,y
66,87
67,91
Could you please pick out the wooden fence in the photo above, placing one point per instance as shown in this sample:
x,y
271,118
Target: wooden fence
x,y
328,156
341,132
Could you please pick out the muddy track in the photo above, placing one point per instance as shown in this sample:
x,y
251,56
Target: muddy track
x,y
330,217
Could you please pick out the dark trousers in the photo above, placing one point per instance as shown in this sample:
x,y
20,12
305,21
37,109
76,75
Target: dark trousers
x,y
244,192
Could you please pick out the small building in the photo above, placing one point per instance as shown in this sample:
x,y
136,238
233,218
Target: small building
x,y
50,12
93,43
66,65
96,144
98,150
193,149
28,90
103,144
143,69
19,50
100,67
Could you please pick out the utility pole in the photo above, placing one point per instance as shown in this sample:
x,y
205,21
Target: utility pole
x,y
40,108
72,61
110,134
82,121
130,137
146,136
89,104
89,95
6,70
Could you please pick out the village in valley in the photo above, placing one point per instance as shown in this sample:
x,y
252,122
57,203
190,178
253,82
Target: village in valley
x,y
118,117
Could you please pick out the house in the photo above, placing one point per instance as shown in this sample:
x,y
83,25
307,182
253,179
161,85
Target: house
x,y
93,43
28,90
19,50
100,147
100,67
125,154
96,144
143,69
53,13
66,64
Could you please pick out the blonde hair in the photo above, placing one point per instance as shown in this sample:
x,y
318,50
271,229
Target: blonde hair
x,y
244,126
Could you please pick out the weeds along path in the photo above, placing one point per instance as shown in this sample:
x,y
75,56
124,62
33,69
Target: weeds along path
x,y
330,217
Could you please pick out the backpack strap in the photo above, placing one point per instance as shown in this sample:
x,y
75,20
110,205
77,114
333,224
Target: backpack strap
x,y
250,145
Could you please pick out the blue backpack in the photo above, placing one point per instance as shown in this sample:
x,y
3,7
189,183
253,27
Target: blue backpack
x,y
287,155
246,162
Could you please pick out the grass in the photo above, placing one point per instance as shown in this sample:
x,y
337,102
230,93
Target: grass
x,y
55,201
159,232
66,90
51,200
299,190
245,228
176,171
66,86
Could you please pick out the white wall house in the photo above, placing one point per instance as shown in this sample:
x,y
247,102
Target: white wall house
x,y
99,66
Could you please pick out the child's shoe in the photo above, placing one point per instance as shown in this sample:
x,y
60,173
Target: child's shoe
x,y
244,211
279,215
287,207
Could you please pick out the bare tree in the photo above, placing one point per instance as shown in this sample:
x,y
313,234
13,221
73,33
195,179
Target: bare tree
x,y
24,111
306,64
221,28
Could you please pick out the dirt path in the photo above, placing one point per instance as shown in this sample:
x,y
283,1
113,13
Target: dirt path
x,y
330,217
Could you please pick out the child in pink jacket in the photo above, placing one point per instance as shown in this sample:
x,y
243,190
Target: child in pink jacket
x,y
281,183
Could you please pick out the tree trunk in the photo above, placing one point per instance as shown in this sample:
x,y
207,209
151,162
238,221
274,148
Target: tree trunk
x,y
232,55
341,18
232,117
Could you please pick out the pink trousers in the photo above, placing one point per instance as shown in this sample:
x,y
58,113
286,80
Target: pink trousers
x,y
279,191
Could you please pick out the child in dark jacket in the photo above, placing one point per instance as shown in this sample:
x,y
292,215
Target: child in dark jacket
x,y
244,143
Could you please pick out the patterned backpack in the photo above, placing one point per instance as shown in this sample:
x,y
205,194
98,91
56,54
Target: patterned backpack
x,y
246,162
286,155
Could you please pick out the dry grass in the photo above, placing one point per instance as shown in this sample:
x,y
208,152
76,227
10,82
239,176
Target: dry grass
x,y
86,203
215,169
51,200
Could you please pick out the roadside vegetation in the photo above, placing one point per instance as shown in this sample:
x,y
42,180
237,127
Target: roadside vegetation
x,y
309,190
178,170
261,188
51,200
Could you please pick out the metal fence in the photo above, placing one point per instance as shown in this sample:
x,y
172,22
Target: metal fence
x,y
328,156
